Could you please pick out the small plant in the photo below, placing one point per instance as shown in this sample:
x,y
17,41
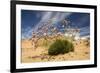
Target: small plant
x,y
87,43
60,47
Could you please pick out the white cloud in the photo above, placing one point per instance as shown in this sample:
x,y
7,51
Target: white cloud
x,y
85,30
56,16
45,17
60,16
27,32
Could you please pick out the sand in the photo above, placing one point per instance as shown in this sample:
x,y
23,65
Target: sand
x,y
29,54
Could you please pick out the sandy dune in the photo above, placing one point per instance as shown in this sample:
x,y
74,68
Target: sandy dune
x,y
40,54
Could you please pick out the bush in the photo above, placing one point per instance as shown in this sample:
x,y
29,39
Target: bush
x,y
60,47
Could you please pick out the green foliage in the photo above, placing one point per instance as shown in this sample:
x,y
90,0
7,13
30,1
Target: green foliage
x,y
60,47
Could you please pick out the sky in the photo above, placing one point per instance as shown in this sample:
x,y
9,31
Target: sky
x,y
31,20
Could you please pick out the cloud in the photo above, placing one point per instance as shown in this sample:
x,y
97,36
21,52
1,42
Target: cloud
x,y
84,31
60,16
45,16
27,33
55,16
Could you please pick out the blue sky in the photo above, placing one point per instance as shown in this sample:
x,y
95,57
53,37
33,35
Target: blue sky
x,y
31,20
